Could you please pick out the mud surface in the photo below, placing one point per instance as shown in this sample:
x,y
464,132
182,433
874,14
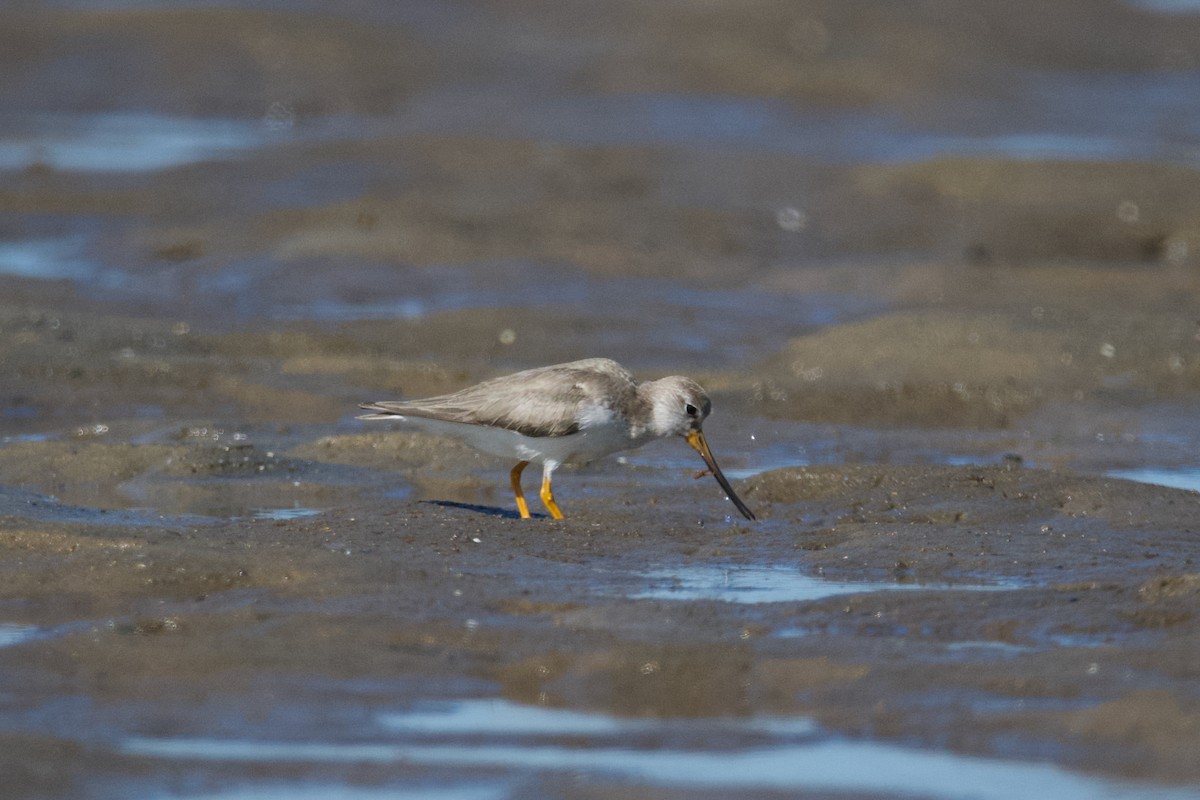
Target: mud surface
x,y
937,265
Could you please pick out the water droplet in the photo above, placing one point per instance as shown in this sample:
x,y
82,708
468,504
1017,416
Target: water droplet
x,y
791,219
1108,350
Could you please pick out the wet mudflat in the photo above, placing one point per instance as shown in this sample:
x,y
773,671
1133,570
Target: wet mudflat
x,y
938,268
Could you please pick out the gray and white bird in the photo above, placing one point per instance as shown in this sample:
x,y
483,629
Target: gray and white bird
x,y
565,413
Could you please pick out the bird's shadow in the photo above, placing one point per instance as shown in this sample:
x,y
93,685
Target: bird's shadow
x,y
491,511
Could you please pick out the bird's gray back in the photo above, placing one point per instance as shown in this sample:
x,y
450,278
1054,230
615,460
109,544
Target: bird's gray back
x,y
545,401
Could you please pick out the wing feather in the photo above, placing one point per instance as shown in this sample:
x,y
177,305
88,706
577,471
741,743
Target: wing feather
x,y
546,401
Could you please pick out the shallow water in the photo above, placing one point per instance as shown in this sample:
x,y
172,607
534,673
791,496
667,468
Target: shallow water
x,y
1177,478
795,756
11,633
314,790
1069,123
292,512
760,584
1072,124
122,142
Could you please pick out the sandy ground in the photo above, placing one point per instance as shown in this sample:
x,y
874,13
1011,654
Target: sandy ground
x,y
924,370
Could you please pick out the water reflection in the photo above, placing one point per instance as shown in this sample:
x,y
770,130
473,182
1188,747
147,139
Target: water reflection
x,y
1181,478
1168,6
122,142
12,633
1081,116
292,512
757,584
486,716
334,792
47,259
792,756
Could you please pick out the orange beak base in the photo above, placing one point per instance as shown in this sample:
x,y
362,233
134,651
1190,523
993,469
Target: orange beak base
x,y
696,439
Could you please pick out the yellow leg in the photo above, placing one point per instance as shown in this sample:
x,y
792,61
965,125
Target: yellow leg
x,y
548,498
522,506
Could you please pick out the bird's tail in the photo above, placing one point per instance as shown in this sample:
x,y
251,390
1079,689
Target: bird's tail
x,y
382,412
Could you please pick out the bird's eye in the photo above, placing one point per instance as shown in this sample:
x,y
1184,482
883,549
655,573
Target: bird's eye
x,y
690,409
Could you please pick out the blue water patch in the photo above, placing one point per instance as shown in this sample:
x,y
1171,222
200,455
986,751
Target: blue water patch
x,y
1178,478
291,512
777,754
27,437
1062,115
1167,6
989,647
283,791
46,259
499,717
19,411
13,634
123,142
759,584
706,325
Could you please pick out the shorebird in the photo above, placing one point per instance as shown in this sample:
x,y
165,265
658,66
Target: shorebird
x,y
565,413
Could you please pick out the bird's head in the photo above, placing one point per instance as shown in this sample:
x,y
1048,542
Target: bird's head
x,y
679,407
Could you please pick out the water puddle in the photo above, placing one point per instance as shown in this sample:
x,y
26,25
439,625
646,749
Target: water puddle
x,y
274,493
989,648
21,438
699,324
774,585
1071,124
12,633
1080,640
46,259
123,142
1167,6
491,717
730,755
749,449
293,512
1181,478
333,792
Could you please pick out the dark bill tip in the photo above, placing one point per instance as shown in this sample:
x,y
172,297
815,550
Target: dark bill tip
x,y
696,439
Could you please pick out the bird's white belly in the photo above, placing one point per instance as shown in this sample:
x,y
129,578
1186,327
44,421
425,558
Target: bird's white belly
x,y
595,441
